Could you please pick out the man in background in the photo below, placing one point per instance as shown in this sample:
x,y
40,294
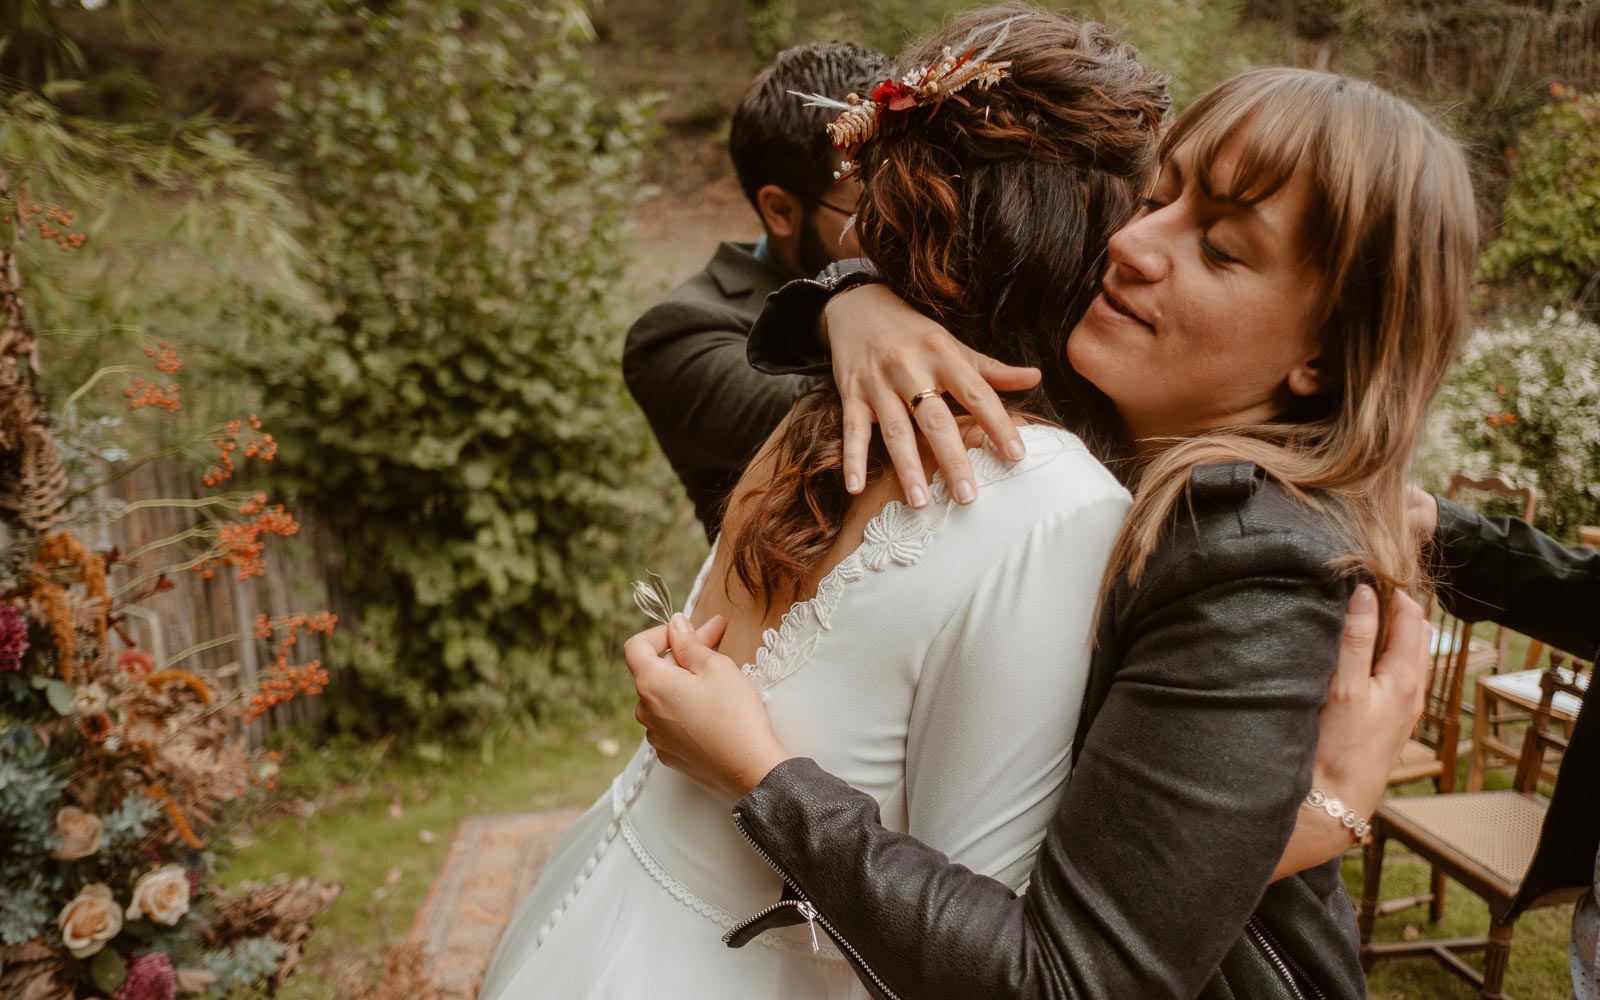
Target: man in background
x,y
684,359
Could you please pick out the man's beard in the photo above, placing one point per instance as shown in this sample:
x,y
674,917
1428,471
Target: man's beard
x,y
812,254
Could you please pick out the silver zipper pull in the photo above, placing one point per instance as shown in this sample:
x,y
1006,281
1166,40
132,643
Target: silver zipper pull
x,y
810,913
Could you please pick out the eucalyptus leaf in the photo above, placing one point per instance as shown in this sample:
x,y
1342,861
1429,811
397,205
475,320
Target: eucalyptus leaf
x,y
60,695
108,971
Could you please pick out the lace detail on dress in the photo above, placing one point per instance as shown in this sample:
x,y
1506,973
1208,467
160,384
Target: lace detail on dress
x,y
897,536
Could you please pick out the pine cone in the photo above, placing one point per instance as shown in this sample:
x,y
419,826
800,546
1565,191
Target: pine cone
x,y
43,479
855,126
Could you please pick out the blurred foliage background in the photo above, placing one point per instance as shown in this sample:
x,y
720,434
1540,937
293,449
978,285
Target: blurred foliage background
x,y
411,232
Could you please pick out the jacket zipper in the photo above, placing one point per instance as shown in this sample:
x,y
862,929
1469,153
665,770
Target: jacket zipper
x,y
1259,932
807,910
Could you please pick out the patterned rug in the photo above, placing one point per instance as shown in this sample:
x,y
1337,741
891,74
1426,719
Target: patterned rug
x,y
492,862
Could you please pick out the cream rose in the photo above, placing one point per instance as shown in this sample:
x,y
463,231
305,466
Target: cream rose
x,y
88,699
90,920
78,834
161,895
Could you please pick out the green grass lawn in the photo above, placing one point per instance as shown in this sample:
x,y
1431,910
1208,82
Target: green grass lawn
x,y
381,828
1538,969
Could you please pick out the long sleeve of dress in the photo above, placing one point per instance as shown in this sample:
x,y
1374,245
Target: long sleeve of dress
x,y
1184,794
1504,570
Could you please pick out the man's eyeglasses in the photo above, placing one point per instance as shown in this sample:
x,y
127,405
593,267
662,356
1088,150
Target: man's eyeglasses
x,y
825,203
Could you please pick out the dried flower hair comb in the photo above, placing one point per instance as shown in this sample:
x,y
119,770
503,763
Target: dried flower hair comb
x,y
862,119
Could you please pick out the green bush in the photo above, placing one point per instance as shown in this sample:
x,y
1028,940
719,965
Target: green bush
x,y
1551,235
457,411
1524,400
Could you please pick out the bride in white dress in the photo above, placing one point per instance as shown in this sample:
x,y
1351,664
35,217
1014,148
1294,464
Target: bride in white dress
x,y
940,655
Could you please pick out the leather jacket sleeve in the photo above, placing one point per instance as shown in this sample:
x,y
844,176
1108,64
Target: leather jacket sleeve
x,y
784,338
1504,570
1208,680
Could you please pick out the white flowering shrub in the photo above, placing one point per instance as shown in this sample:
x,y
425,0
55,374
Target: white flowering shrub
x,y
1524,400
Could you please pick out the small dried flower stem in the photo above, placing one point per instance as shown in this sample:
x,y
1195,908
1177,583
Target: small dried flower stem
x,y
89,383
132,467
63,331
126,470
199,647
161,543
173,570
227,498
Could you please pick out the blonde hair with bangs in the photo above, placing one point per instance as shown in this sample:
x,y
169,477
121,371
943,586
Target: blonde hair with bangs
x,y
1392,229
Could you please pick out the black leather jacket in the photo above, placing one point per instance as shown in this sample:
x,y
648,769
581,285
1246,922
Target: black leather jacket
x,y
1192,757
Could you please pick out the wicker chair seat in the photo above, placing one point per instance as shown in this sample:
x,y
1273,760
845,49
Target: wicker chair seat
x,y
1521,688
1490,835
1417,761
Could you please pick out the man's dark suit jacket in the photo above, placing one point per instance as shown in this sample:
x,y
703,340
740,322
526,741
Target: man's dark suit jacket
x,y
684,361
1500,569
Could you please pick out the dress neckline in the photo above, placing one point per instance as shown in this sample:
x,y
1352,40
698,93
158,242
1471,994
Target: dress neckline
x,y
896,535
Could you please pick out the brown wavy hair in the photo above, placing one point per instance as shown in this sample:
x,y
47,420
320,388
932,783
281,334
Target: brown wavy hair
x,y
990,214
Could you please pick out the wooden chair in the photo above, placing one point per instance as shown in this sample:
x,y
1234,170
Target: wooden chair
x,y
1589,534
1484,840
1521,691
1434,746
1435,743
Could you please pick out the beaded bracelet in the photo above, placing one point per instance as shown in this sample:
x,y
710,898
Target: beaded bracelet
x,y
1319,799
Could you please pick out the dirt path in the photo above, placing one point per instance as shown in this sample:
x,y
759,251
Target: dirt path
x,y
696,203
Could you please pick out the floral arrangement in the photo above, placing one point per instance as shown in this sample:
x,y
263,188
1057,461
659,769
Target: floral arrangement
x,y
1524,400
117,772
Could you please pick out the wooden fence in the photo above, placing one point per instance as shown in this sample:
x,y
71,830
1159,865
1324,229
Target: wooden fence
x,y
303,573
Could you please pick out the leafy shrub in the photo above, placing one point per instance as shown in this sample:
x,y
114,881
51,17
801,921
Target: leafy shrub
x,y
456,411
1524,399
180,237
1551,235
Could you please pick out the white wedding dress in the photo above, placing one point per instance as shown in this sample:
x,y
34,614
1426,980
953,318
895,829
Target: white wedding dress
x,y
939,668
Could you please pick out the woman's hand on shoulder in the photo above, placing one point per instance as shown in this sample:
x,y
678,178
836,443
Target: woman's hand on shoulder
x,y
1373,703
884,354
702,715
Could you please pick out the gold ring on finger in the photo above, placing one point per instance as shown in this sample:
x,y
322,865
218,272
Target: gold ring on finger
x,y
916,400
